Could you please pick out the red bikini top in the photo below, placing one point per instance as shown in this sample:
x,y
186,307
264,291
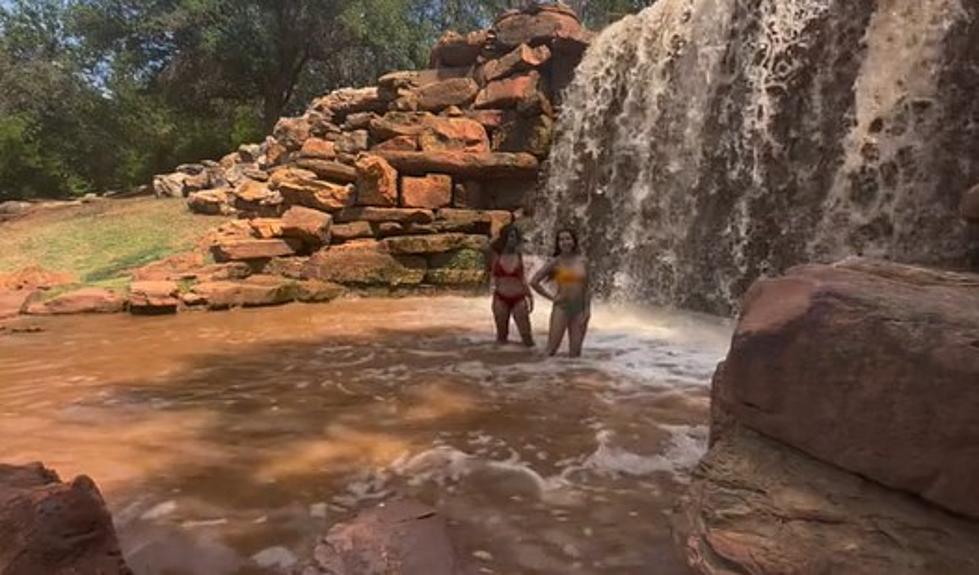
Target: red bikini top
x,y
500,272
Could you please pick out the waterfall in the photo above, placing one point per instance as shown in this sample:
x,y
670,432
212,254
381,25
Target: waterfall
x,y
704,143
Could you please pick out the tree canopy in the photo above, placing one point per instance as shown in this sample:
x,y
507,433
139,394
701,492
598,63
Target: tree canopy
x,y
102,94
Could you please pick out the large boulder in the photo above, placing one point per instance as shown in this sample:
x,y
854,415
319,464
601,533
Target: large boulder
x,y
757,506
85,300
377,182
52,528
458,163
395,538
870,366
364,263
345,101
319,149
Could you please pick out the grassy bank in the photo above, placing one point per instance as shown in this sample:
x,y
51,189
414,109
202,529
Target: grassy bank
x,y
99,243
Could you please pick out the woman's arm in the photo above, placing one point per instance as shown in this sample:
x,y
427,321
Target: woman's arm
x,y
540,276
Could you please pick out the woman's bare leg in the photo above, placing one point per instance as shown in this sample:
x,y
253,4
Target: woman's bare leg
x,y
521,315
577,329
501,313
559,324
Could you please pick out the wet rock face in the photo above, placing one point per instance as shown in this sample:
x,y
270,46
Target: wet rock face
x,y
843,435
54,528
757,506
707,142
869,366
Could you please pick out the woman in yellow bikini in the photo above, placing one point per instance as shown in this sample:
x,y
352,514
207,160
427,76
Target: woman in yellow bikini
x,y
568,269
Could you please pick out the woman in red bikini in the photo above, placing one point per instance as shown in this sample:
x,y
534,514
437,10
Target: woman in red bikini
x,y
511,294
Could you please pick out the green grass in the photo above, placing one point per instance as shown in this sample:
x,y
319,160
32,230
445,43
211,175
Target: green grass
x,y
99,244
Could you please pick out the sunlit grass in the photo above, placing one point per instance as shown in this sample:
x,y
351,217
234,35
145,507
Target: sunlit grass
x,y
99,244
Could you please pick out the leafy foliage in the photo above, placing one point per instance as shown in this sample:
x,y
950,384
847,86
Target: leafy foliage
x,y
102,94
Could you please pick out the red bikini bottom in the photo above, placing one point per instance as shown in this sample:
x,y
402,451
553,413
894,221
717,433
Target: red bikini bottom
x,y
511,301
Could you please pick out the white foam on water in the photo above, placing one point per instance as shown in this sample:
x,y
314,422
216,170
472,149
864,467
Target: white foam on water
x,y
275,557
160,511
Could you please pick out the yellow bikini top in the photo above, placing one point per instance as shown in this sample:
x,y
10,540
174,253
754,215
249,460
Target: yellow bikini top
x,y
567,275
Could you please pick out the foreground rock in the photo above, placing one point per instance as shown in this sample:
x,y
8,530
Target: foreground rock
x,y
52,528
396,538
843,428
154,297
87,300
871,367
757,506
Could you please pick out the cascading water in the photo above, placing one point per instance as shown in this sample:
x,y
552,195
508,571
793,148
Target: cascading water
x,y
704,143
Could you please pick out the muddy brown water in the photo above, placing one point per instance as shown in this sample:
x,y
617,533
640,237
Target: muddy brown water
x,y
225,443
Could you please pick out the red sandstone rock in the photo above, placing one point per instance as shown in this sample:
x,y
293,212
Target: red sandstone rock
x,y
463,164
454,49
509,92
542,25
255,291
396,538
252,191
757,506
377,182
312,227
33,277
363,263
318,148
316,291
399,144
328,170
210,202
454,134
480,222
490,119
351,231
13,302
432,191
395,84
440,95
872,367
266,228
243,250
302,188
402,215
87,300
523,58
433,244
153,297
291,132
531,134
52,528
969,207
348,101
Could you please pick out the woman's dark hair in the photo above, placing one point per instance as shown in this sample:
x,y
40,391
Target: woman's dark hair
x,y
557,240
499,244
